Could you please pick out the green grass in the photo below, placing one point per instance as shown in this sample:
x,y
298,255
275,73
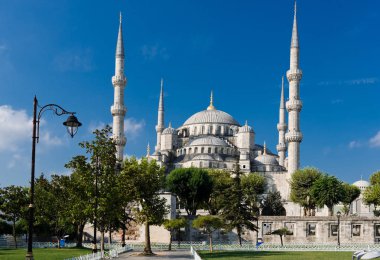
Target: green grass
x,y
43,253
277,255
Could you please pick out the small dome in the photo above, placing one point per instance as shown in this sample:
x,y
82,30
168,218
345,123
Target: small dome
x,y
361,184
266,159
169,131
208,140
211,116
245,128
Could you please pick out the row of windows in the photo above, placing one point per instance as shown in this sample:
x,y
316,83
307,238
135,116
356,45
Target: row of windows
x,y
214,150
208,129
311,229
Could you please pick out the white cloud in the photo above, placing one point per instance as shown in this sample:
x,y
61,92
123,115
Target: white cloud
x,y
350,82
375,141
96,125
133,127
150,52
74,60
354,144
16,130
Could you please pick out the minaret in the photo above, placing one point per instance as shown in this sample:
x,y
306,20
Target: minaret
x,y
281,127
118,109
294,105
160,118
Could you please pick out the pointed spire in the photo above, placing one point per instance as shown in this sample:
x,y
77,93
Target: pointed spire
x,y
161,101
282,100
265,148
120,44
170,124
294,42
211,106
148,151
246,122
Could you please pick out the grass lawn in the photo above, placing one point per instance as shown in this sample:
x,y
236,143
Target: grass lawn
x,y
278,255
43,253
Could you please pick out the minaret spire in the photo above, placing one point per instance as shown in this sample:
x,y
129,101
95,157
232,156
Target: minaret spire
x,y
211,106
118,109
160,117
294,105
281,127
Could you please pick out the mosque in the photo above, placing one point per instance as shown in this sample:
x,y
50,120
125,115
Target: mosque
x,y
213,139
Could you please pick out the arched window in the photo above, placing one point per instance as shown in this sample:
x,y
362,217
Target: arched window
x,y
196,150
195,130
209,150
218,130
203,129
215,150
211,128
202,150
190,150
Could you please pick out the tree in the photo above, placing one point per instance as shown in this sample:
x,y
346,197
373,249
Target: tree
x,y
235,212
208,224
80,192
300,185
146,179
193,187
375,178
253,186
282,232
103,163
175,225
221,181
13,205
272,205
351,193
327,190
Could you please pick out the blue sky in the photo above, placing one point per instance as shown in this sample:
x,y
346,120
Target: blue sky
x,y
63,52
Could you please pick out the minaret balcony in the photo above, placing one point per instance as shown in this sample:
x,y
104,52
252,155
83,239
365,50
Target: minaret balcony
x,y
294,74
281,147
118,80
282,126
118,110
120,140
293,136
294,105
159,128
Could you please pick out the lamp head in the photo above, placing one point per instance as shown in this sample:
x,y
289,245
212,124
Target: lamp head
x,y
338,214
72,125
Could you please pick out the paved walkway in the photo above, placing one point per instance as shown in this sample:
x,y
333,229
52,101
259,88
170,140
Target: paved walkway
x,y
160,255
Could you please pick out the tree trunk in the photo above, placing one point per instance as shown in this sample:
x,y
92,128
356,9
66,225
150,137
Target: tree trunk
x,y
210,238
179,238
147,248
282,244
80,228
170,241
123,236
109,238
102,241
239,235
331,212
14,233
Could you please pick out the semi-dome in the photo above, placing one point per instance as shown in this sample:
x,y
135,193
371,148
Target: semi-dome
x,y
208,140
211,116
203,157
361,184
266,159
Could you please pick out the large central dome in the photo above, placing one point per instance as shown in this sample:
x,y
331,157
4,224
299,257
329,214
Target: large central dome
x,y
211,116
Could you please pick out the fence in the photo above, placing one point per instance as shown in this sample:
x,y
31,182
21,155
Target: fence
x,y
112,253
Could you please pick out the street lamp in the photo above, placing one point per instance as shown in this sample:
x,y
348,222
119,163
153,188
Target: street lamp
x,y
338,214
72,125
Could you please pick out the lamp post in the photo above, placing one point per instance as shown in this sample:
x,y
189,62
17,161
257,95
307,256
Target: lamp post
x,y
338,214
72,125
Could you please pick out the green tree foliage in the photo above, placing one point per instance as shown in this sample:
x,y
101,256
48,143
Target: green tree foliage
x,y
235,212
253,186
208,224
51,205
282,232
371,194
13,205
272,205
300,185
327,190
146,179
351,193
173,225
193,187
221,181
80,195
5,228
103,163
